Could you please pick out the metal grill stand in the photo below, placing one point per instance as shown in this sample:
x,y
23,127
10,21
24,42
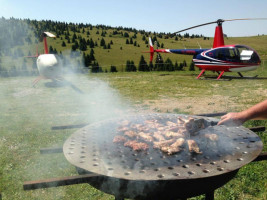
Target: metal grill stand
x,y
87,177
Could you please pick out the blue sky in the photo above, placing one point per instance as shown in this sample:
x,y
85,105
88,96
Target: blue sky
x,y
150,15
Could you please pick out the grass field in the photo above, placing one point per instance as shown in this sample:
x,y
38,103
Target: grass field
x,y
27,115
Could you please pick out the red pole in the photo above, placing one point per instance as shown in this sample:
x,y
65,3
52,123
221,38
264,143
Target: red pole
x,y
45,46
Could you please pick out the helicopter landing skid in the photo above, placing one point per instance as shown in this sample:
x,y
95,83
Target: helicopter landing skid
x,y
228,78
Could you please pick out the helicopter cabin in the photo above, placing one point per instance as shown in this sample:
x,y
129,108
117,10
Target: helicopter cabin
x,y
235,54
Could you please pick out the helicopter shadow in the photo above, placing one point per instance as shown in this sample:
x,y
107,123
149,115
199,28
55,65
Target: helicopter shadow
x,y
229,78
63,83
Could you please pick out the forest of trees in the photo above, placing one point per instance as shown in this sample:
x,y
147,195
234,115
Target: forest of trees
x,y
16,33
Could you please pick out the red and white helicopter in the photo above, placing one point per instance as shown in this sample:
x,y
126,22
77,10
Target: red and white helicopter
x,y
221,58
47,64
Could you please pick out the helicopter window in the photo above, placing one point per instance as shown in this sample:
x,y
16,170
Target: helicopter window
x,y
228,54
246,55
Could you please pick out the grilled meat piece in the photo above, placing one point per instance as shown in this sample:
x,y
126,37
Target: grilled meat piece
x,y
122,129
136,126
170,150
179,142
145,136
130,134
152,121
119,138
174,129
193,147
212,136
182,131
173,148
158,136
169,123
180,121
171,134
136,146
160,144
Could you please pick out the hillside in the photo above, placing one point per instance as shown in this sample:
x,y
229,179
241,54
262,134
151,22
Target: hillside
x,y
101,44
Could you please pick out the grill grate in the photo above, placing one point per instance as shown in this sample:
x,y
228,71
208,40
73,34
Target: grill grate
x,y
91,148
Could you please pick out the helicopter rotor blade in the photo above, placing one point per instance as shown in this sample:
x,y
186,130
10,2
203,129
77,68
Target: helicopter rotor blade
x,y
195,27
245,19
219,21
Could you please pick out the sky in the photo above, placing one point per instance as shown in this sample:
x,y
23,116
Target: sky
x,y
151,15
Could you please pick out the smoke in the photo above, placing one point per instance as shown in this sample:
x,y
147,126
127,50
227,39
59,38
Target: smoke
x,y
28,114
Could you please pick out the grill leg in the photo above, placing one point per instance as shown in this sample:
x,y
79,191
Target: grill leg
x,y
209,195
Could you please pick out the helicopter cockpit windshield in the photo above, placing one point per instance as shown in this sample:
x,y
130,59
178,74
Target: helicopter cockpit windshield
x,y
237,53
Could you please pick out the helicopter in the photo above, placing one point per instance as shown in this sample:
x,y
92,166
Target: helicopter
x,y
220,58
47,64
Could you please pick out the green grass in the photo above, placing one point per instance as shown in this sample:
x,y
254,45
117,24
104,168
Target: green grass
x,y
27,115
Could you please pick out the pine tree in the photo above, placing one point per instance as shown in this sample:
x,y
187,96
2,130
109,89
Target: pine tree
x,y
102,42
192,67
92,57
143,64
133,67
131,40
159,65
126,35
185,64
176,66
113,69
144,38
63,44
168,65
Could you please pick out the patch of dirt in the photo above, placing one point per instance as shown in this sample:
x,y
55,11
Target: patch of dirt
x,y
192,105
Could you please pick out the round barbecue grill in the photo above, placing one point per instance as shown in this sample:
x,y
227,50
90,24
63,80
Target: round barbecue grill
x,y
151,173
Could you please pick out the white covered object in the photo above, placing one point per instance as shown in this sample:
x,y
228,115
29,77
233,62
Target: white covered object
x,y
48,66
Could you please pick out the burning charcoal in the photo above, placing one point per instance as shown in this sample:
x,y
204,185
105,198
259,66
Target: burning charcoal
x,y
193,147
136,146
130,134
119,138
145,136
